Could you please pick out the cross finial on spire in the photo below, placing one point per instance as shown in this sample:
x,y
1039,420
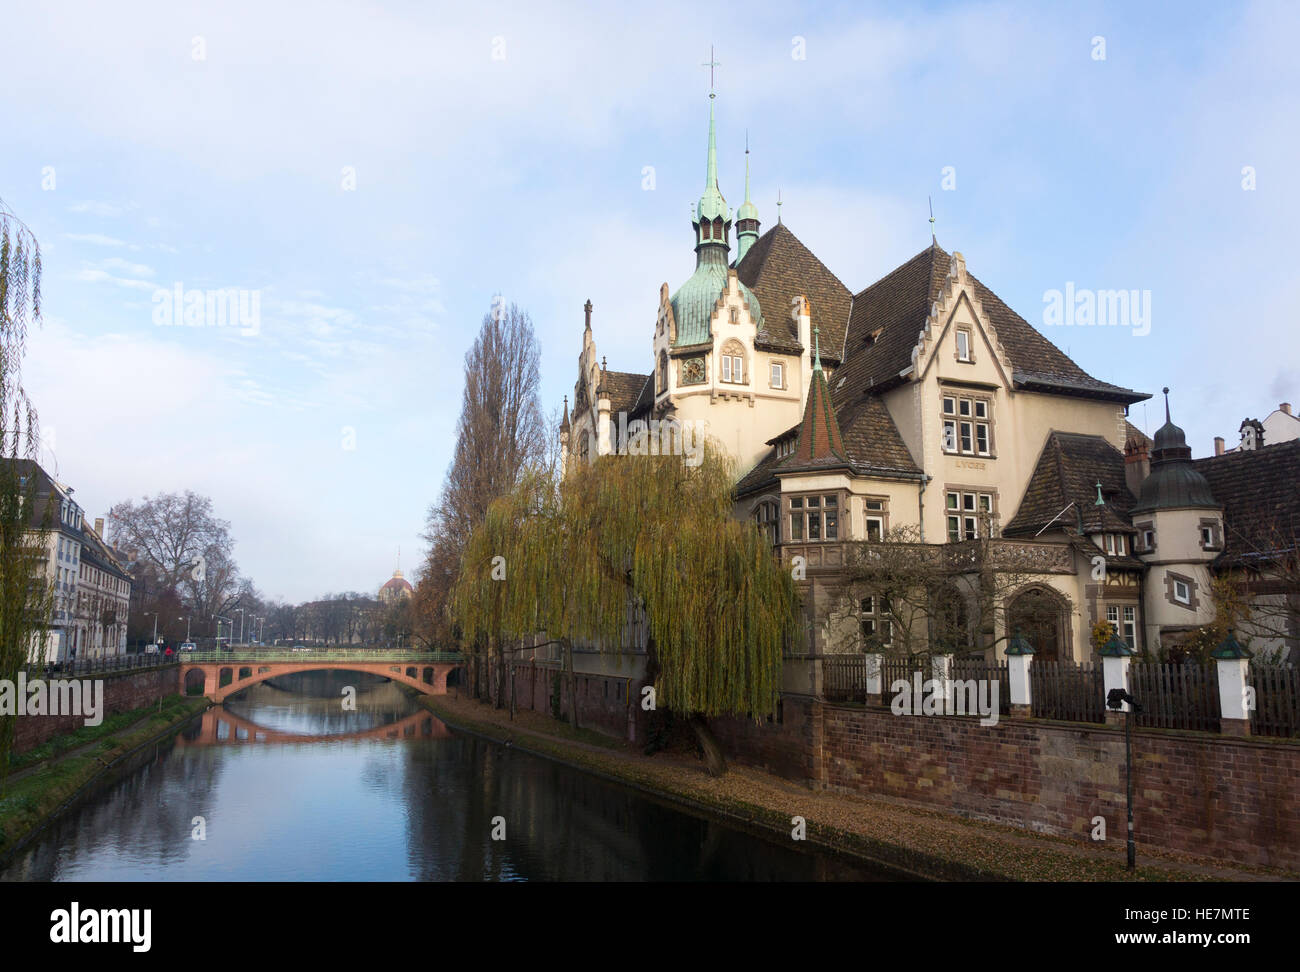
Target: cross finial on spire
x,y
711,63
930,200
778,207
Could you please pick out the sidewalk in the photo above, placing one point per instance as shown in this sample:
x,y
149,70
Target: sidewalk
x,y
920,841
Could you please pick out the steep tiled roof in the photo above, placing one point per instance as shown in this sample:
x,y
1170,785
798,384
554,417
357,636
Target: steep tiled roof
x,y
779,267
887,318
871,443
1068,470
1260,493
872,438
820,441
624,389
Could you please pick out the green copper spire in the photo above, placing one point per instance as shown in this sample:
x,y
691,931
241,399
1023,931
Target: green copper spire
x,y
712,206
746,216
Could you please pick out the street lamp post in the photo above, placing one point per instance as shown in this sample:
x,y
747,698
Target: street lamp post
x,y
241,625
187,628
1116,699
155,626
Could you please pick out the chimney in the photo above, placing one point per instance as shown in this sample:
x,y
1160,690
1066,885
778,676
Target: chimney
x,y
1218,445
1286,407
1137,464
99,527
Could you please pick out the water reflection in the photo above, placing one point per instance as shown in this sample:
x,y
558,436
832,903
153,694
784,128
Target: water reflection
x,y
295,787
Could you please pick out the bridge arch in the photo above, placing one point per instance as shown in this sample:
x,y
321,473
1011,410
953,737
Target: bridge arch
x,y
431,681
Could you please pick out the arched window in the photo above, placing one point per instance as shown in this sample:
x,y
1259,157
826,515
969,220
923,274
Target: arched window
x,y
733,363
767,515
718,231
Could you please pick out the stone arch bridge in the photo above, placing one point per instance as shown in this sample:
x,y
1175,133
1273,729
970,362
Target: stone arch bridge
x,y
424,671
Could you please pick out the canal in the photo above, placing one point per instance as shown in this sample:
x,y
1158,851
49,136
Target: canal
x,y
380,792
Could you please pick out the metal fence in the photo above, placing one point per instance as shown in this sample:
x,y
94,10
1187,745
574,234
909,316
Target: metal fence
x,y
1175,696
1277,700
93,666
1067,691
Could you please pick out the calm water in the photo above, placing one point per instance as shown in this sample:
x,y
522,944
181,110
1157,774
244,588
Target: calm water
x,y
290,787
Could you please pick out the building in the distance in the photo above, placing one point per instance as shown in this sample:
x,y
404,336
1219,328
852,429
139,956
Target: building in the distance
x,y
90,589
395,588
1281,425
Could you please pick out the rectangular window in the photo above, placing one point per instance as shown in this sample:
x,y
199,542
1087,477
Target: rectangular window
x,y
1130,627
1149,539
1182,593
970,515
737,369
875,529
726,367
778,375
968,437
796,526
963,345
1207,536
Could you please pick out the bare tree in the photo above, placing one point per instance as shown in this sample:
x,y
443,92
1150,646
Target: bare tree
x,y
501,433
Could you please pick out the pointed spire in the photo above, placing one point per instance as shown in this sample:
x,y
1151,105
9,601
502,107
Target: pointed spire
x,y
564,422
1100,501
746,216
819,432
711,169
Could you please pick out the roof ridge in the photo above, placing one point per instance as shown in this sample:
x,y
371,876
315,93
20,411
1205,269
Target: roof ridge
x,y
906,263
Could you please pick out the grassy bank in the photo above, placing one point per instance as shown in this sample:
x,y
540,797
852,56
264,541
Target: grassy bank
x,y
906,838
51,779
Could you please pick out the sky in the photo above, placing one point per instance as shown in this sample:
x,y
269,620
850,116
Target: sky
x,y
373,174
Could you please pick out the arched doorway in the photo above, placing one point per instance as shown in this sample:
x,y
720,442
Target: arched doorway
x,y
1043,616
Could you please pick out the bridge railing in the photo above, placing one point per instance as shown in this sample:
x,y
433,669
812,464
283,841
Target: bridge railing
x,y
321,655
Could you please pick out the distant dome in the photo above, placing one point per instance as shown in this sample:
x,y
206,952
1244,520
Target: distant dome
x,y
396,586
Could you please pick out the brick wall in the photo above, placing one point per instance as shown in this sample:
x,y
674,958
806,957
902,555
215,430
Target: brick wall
x,y
606,703
122,691
789,746
1235,799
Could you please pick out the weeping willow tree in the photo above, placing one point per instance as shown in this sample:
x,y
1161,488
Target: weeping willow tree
x,y
25,594
628,536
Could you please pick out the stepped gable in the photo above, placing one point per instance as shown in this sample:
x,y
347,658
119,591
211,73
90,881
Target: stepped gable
x,y
887,318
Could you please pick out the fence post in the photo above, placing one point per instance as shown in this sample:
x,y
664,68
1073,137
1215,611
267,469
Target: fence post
x,y
875,677
941,672
1235,699
1115,659
1020,653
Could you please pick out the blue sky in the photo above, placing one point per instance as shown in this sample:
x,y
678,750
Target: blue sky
x,y
502,149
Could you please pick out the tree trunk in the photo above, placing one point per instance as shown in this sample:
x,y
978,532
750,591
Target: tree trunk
x,y
715,763
501,674
573,683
